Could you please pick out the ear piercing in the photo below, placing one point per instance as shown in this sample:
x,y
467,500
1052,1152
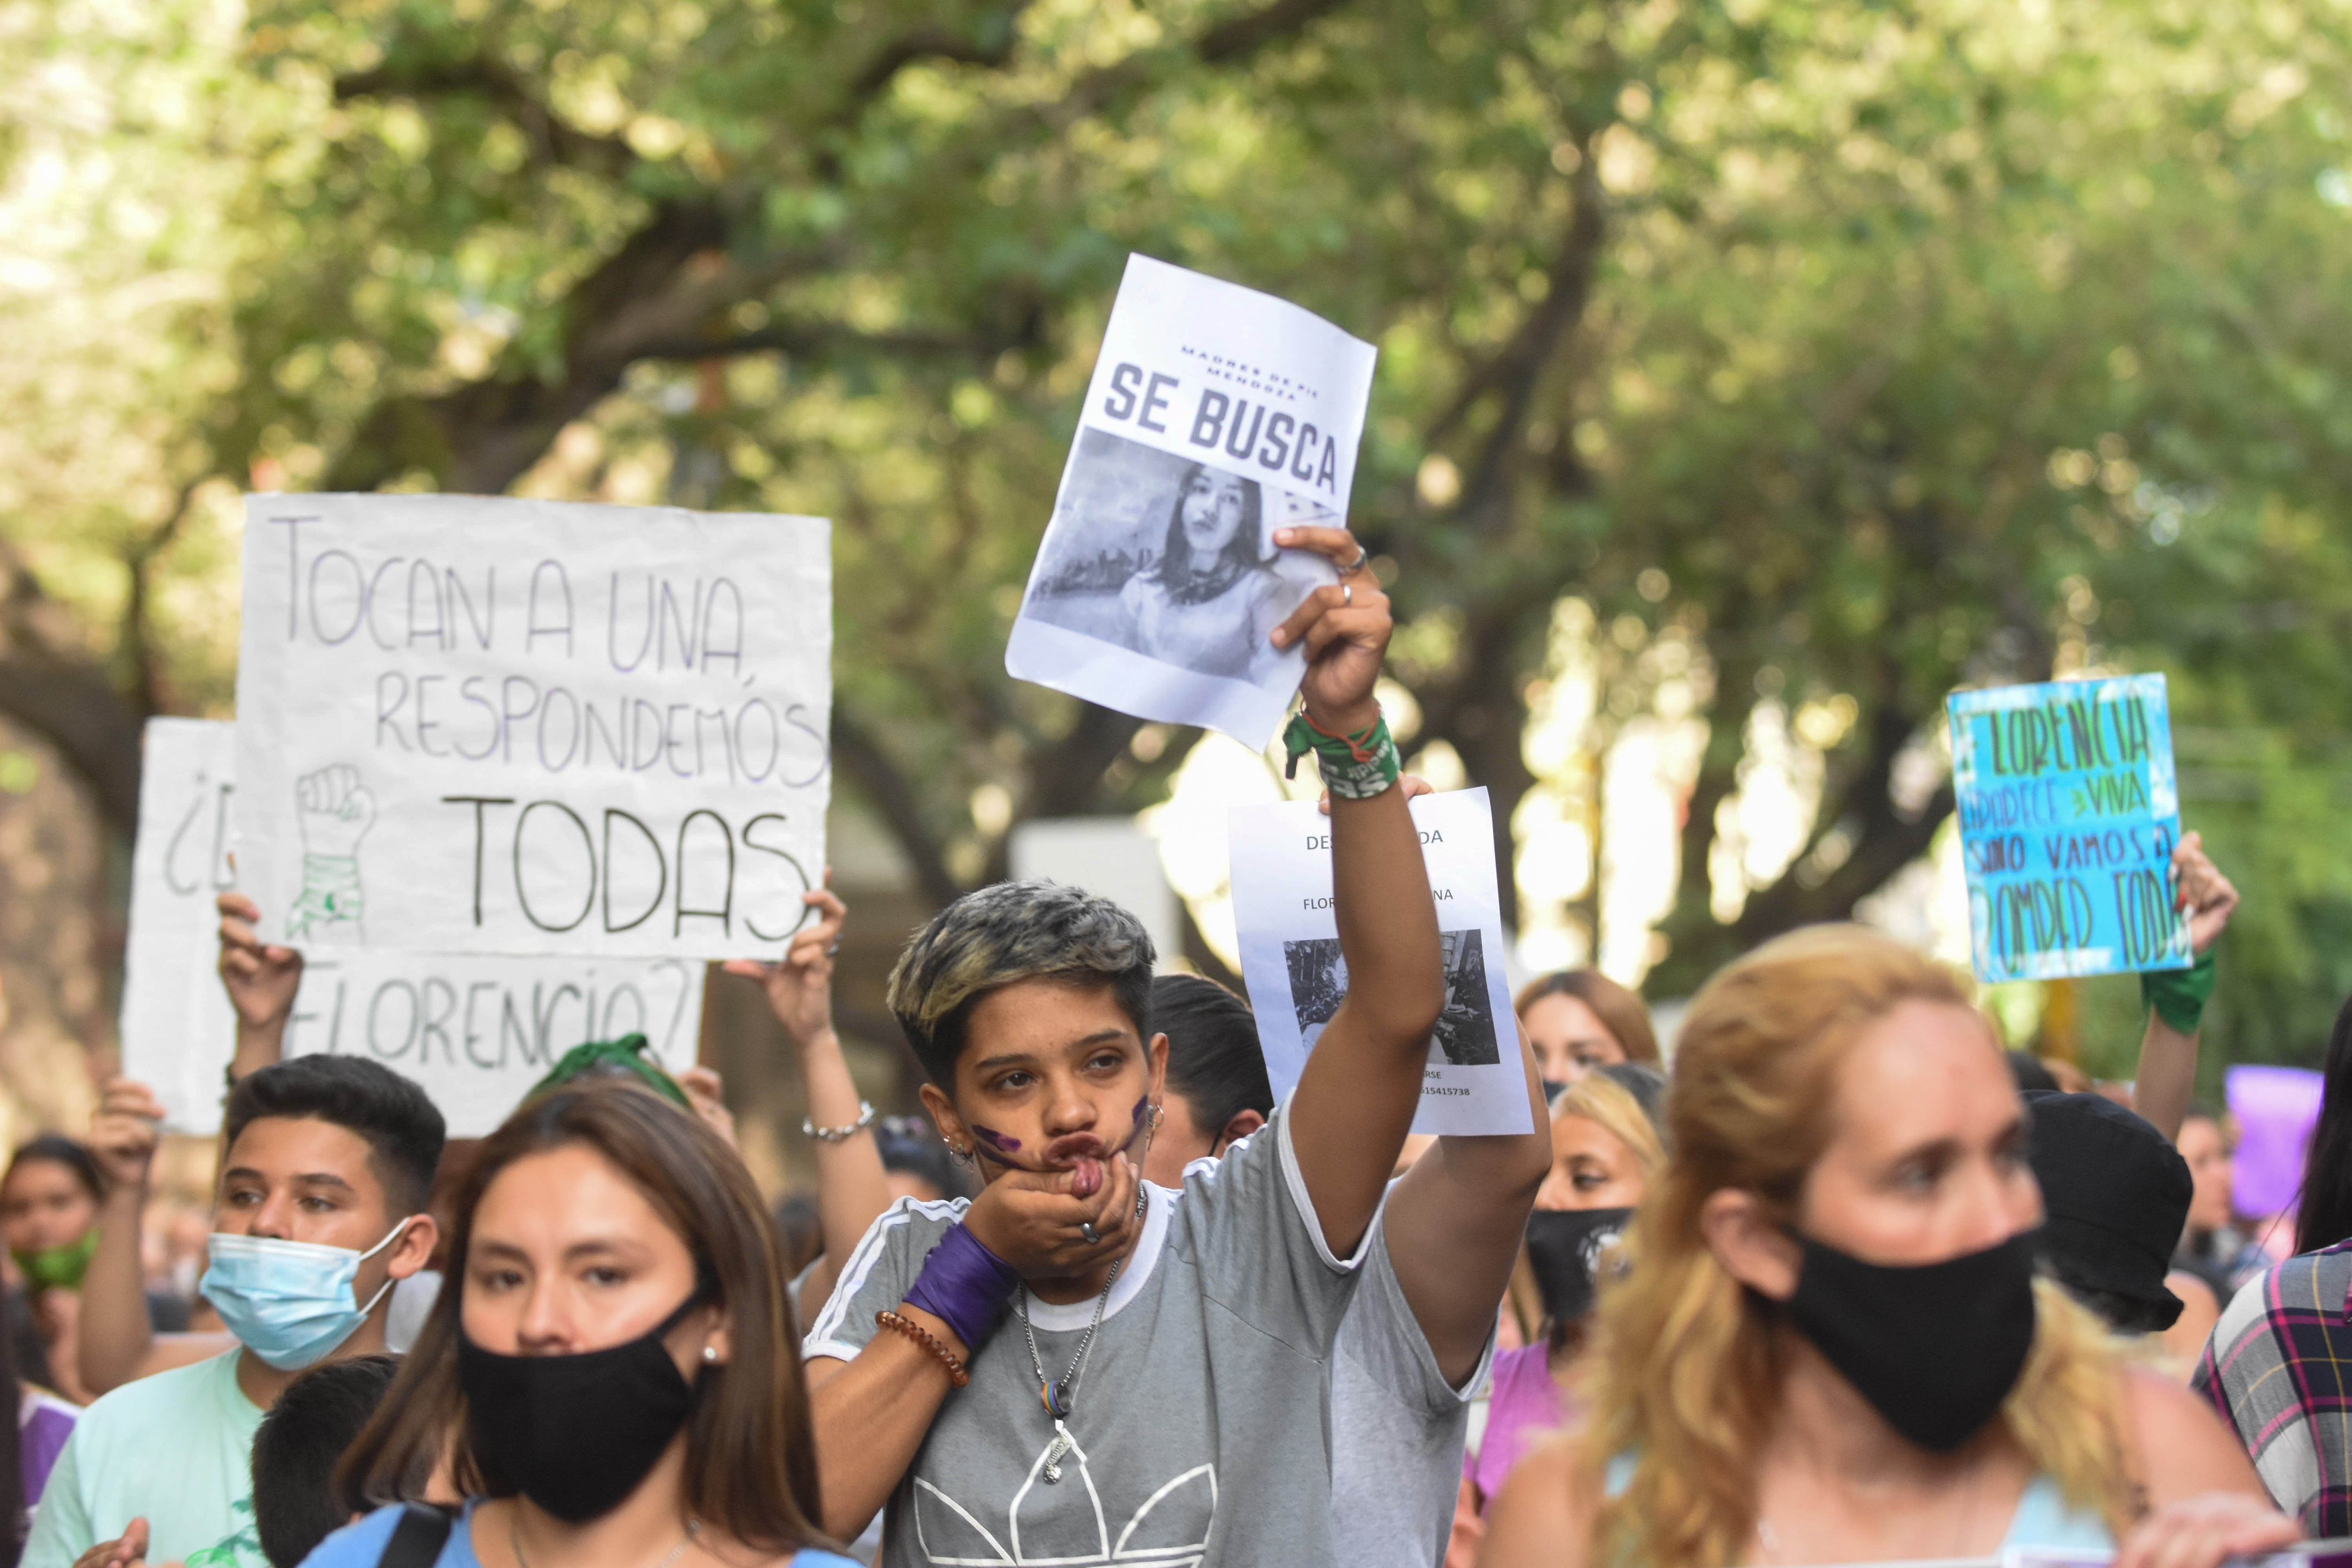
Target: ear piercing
x,y
711,1355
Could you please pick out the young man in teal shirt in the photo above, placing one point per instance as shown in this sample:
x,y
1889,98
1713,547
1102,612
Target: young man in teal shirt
x,y
320,1207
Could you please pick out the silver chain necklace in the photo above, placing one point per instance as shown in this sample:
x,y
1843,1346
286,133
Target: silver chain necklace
x,y
1061,1397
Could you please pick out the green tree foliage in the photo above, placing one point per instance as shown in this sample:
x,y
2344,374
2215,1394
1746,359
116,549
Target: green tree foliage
x,y
1862,349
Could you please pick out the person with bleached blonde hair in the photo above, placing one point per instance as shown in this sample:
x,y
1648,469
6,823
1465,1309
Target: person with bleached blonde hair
x,y
1830,1346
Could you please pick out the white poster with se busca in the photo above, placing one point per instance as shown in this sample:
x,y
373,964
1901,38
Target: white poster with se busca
x,y
476,1032
1216,415
1475,1082
497,726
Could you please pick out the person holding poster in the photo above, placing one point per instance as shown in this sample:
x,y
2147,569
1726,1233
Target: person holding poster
x,y
1416,1340
1077,1363
1831,1346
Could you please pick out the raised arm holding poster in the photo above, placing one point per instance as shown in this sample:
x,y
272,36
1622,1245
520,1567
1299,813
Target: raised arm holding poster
x,y
476,1032
1292,964
2068,817
1216,415
496,726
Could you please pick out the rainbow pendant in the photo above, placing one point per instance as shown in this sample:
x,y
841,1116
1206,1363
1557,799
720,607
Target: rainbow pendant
x,y
1058,1400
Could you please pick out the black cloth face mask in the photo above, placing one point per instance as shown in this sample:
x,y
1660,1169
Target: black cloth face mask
x,y
1564,1248
1934,1347
576,1433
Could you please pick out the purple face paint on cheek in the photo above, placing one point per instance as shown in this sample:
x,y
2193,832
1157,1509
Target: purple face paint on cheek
x,y
989,1140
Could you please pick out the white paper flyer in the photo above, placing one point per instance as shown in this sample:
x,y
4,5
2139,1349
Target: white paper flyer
x,y
1474,1082
1216,415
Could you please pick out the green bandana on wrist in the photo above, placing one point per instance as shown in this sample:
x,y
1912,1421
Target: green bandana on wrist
x,y
2179,996
1355,767
625,1054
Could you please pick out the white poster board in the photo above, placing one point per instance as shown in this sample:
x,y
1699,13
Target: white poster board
x,y
1474,1082
177,1030
495,726
1216,415
476,1032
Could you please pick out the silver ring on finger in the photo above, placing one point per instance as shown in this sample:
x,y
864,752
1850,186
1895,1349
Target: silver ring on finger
x,y
1362,555
1086,1229
1347,594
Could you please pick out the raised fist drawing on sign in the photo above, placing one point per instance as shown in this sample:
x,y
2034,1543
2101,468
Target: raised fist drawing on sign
x,y
335,810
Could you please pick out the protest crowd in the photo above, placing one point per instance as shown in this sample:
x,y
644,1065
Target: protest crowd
x,y
1829,1277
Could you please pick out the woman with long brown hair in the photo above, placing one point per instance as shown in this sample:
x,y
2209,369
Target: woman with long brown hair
x,y
610,1373
1830,1347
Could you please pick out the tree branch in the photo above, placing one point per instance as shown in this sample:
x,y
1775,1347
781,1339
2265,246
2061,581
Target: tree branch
x,y
820,337
887,789
552,141
1517,367
933,44
54,689
136,639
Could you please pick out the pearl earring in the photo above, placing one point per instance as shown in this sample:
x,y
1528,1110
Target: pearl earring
x,y
710,1353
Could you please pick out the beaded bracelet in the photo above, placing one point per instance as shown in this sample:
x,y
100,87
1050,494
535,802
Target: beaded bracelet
x,y
840,1134
923,1337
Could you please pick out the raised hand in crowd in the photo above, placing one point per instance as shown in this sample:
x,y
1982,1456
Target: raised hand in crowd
x,y
852,1188
115,1337
2165,1078
261,980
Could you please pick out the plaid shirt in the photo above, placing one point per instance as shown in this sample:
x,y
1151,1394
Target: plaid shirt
x,y
2279,1367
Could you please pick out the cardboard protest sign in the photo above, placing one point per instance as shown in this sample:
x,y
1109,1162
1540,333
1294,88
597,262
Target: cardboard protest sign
x,y
474,725
476,1032
1296,976
2068,817
1216,415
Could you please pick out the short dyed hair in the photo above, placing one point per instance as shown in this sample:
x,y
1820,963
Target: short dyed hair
x,y
402,1126
1009,932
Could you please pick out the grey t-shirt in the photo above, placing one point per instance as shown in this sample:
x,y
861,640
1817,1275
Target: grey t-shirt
x,y
1202,1426
1396,1427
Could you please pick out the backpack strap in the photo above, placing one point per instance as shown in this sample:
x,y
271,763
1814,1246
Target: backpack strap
x,y
417,1541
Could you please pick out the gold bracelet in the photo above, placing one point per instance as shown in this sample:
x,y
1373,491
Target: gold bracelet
x,y
923,1337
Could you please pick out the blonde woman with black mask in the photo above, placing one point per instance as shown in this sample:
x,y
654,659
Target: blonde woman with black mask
x,y
1831,1347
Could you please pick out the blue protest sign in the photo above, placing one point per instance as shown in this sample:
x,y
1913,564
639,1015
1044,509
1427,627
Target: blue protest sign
x,y
2068,817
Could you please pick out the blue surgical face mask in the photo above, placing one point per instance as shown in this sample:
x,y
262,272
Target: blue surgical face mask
x,y
288,1303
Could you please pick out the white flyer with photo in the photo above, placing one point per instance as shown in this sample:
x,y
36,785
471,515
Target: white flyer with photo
x,y
476,1032
1475,1082
471,724
1216,415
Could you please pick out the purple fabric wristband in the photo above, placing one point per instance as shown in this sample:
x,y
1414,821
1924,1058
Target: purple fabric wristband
x,y
965,1286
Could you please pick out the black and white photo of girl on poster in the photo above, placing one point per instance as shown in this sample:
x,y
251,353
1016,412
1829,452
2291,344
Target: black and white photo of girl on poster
x,y
1217,416
1168,558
